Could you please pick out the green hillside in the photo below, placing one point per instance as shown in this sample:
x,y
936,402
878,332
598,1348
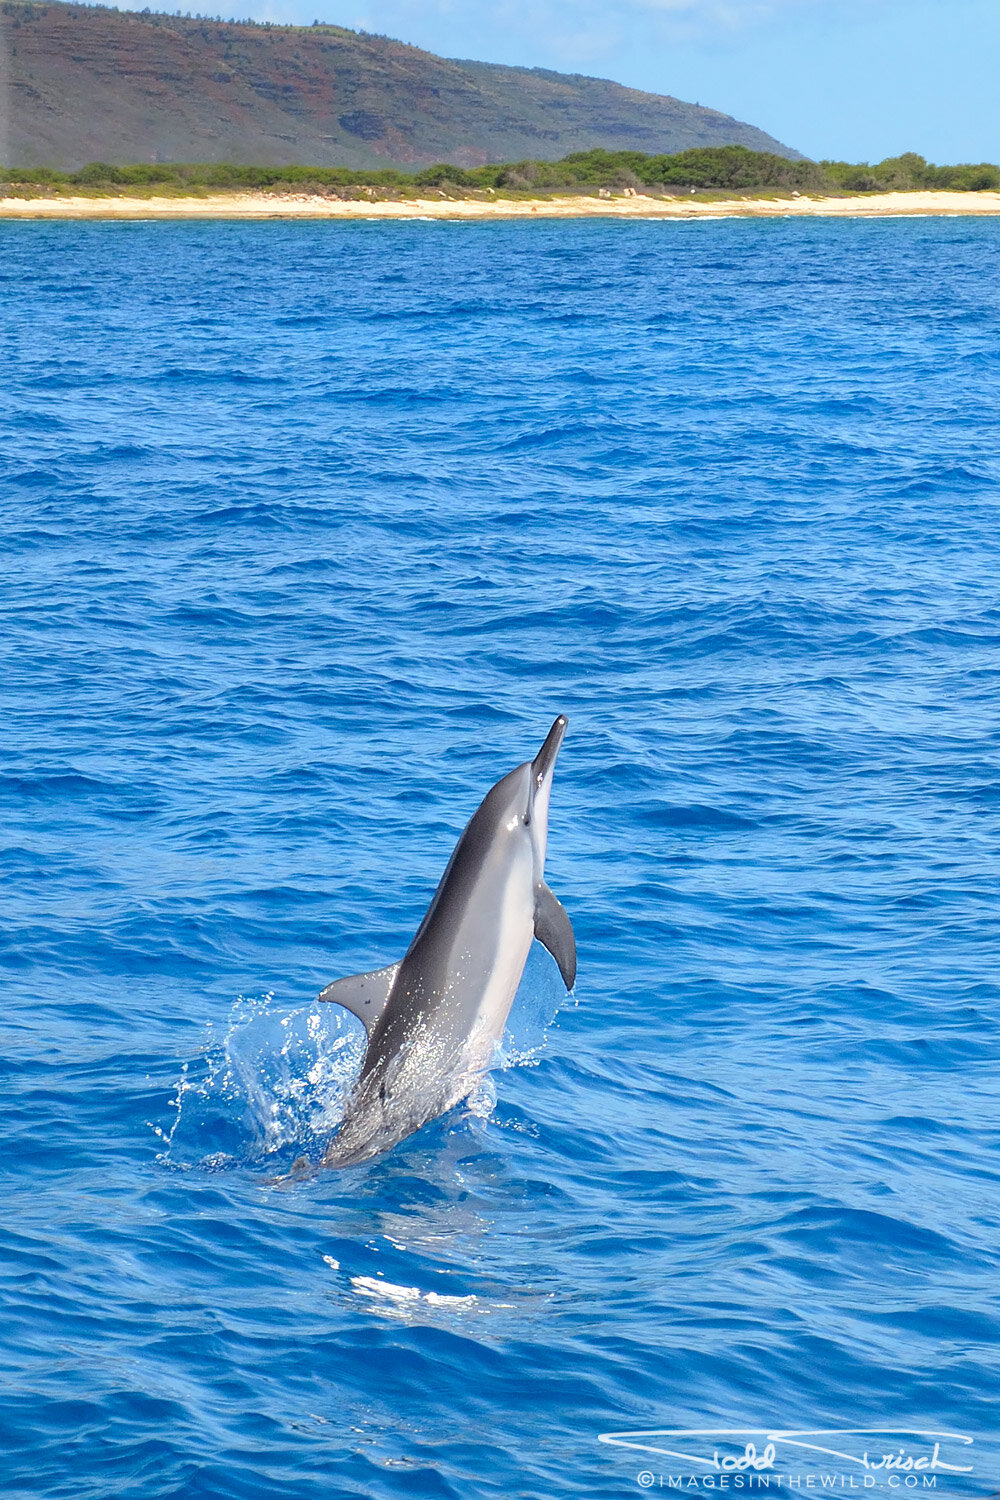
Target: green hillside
x,y
85,83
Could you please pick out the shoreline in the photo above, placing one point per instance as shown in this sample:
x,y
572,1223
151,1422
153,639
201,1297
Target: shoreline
x,y
260,205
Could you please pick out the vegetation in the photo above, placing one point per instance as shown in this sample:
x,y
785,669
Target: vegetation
x,y
908,172
709,168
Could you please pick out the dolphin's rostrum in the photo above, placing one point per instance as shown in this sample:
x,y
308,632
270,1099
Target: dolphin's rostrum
x,y
434,1019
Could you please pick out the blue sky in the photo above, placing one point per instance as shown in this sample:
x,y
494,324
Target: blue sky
x,y
854,79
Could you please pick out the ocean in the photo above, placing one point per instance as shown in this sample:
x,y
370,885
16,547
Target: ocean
x,y
309,531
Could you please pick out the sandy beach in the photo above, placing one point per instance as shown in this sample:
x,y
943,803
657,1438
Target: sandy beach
x,y
308,206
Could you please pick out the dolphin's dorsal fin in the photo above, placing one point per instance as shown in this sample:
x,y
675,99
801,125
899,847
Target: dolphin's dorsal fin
x,y
553,931
364,995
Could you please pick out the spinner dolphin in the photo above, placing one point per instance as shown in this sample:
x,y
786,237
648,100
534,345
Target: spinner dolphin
x,y
434,1018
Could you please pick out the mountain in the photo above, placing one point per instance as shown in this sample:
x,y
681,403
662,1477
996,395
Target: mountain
x,y
85,83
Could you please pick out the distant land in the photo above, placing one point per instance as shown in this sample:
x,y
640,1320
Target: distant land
x,y
85,83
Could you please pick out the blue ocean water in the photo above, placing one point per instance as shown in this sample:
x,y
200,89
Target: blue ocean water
x,y
308,533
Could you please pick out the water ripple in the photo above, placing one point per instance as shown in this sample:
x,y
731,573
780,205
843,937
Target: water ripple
x,y
309,532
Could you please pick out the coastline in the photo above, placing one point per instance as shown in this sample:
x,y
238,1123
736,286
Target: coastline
x,y
259,205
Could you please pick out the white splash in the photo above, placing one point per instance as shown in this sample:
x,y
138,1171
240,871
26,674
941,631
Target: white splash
x,y
269,1079
266,1080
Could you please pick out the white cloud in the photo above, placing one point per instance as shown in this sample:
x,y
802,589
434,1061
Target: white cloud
x,y
749,13
572,33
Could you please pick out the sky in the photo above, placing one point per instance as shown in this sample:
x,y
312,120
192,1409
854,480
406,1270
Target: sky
x,y
854,80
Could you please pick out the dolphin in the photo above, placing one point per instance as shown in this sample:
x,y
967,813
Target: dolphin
x,y
434,1018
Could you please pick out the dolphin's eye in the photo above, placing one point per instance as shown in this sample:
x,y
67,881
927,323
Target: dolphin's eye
x,y
527,821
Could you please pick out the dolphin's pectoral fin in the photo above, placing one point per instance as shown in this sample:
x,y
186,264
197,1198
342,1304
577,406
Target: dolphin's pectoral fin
x,y
553,931
364,995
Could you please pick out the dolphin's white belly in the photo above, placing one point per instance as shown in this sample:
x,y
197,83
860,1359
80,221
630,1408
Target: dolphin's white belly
x,y
515,929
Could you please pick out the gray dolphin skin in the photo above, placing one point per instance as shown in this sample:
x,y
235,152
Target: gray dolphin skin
x,y
435,1017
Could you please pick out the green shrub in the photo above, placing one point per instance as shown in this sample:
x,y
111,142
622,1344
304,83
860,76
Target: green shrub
x,y
713,168
442,175
96,174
